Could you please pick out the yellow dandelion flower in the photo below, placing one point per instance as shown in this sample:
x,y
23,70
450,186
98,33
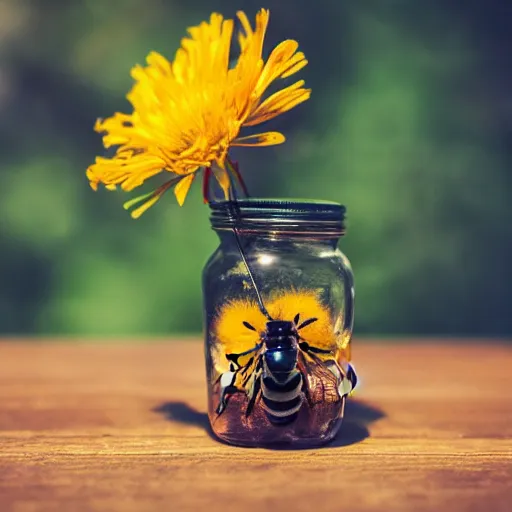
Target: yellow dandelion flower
x,y
188,113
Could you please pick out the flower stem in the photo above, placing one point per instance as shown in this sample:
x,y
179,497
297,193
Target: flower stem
x,y
234,212
233,168
206,184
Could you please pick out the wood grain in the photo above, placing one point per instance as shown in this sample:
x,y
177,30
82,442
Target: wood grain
x,y
122,427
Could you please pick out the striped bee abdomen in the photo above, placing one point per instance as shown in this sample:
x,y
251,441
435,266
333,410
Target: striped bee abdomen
x,y
282,400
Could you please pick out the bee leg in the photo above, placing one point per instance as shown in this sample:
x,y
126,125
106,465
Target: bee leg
x,y
346,380
345,387
227,381
351,376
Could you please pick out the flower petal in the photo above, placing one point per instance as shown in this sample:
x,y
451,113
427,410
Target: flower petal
x,y
151,198
278,103
299,61
256,37
222,177
129,171
281,60
260,139
182,188
148,204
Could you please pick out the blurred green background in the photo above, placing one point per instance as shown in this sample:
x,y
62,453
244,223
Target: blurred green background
x,y
409,126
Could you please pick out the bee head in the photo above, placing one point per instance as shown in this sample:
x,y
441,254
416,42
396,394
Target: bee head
x,y
279,335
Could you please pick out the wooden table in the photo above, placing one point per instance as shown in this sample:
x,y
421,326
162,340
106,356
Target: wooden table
x,y
122,427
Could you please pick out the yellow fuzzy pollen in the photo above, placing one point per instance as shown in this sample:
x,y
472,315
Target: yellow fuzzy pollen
x,y
234,337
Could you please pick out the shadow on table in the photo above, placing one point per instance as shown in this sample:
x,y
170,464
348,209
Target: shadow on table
x,y
180,412
354,429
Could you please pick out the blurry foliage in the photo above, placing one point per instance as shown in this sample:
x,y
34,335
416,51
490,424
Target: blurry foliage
x,y
409,125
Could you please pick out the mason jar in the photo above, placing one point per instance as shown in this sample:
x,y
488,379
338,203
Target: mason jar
x,y
278,312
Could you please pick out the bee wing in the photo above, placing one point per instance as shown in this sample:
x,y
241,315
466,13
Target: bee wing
x,y
244,366
240,378
252,383
320,382
247,376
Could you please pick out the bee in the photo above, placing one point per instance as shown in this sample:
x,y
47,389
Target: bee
x,y
282,369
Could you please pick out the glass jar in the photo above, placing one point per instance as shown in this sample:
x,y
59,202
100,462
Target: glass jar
x,y
278,301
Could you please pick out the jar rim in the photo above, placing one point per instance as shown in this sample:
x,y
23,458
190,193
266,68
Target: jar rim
x,y
302,216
